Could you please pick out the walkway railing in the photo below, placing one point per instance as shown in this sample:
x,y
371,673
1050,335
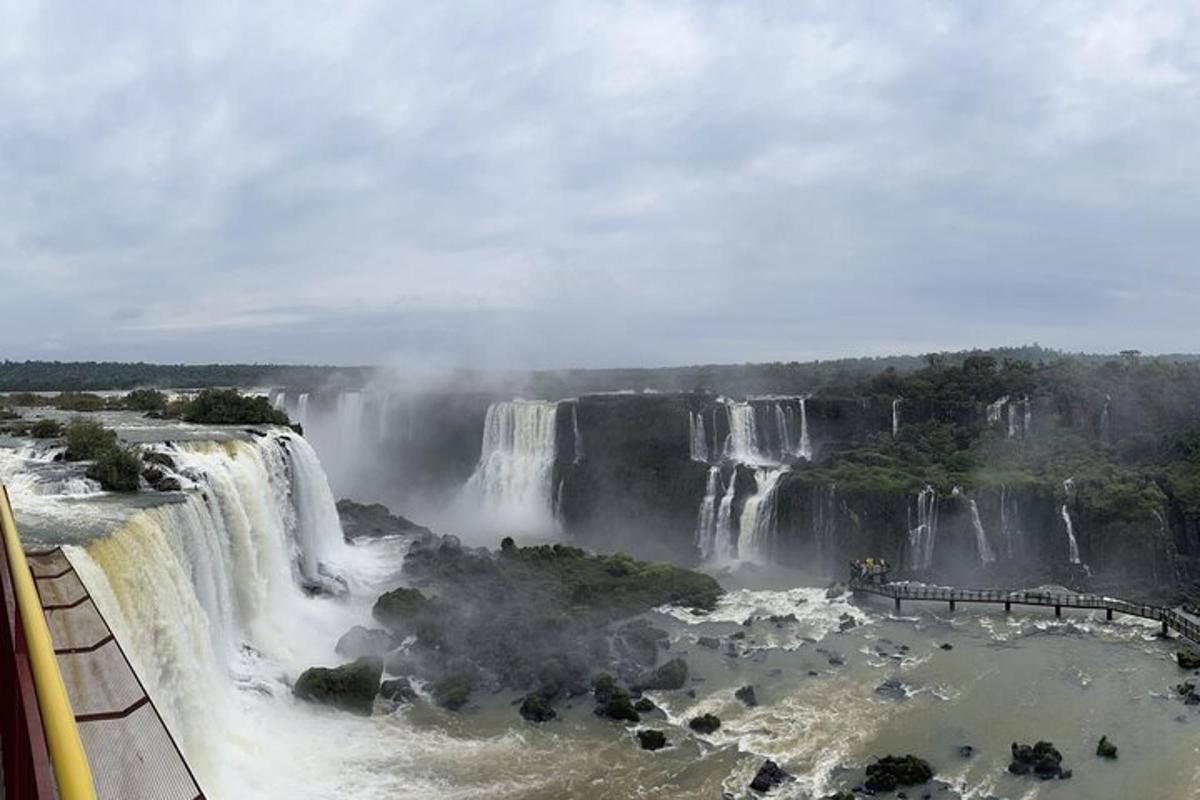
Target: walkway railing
x,y
1170,619
41,744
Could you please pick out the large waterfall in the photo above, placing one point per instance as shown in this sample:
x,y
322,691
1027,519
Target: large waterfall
x,y
767,431
513,483
205,595
706,524
982,547
1072,544
757,524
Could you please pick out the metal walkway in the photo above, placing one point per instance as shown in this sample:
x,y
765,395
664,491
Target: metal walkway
x,y
1171,620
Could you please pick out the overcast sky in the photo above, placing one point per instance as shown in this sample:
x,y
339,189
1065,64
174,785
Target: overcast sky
x,y
595,184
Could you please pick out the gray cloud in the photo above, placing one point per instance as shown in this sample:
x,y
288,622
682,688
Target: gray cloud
x,y
595,183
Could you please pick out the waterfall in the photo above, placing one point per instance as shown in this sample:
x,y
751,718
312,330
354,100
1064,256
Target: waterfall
x,y
725,537
1072,544
1009,521
981,542
757,524
896,417
578,436
699,438
1012,424
706,524
824,521
922,537
302,410
205,598
994,411
279,403
1027,418
742,444
805,451
773,440
512,484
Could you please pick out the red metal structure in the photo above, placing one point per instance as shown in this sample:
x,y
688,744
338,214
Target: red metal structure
x,y
27,768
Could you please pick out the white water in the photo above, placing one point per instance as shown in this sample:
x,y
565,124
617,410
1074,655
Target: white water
x,y
706,524
699,439
780,436
205,596
302,410
896,417
742,445
513,482
1009,521
1027,418
982,547
824,522
725,537
578,436
757,524
994,411
1072,544
923,537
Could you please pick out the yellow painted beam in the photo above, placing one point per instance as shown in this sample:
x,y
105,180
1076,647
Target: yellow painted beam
x,y
71,769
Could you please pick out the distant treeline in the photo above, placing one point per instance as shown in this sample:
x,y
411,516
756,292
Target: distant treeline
x,y
736,379
85,376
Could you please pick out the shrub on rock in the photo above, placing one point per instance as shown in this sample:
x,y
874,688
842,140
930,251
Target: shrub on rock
x,y
705,724
350,687
1187,659
1042,760
535,708
747,696
652,740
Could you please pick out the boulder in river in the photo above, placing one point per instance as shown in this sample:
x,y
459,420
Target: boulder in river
x,y
359,641
613,702
1042,760
651,739
1187,659
890,772
705,724
769,776
670,676
1106,749
644,705
350,687
747,696
535,708
399,690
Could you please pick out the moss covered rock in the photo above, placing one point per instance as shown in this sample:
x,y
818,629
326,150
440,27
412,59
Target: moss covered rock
x,y
350,687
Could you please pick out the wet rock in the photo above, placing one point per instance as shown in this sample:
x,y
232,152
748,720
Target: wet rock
x,y
966,751
946,646
840,796
710,642
153,475
837,659
374,522
1106,749
893,689
747,696
705,724
453,691
359,641
644,705
652,739
1042,760
890,772
780,619
1187,659
399,690
739,635
160,460
835,591
350,687
670,676
401,609
169,484
1187,691
846,622
640,641
769,776
613,702
536,708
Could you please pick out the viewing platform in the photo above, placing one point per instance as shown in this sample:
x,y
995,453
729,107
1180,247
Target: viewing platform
x,y
1170,619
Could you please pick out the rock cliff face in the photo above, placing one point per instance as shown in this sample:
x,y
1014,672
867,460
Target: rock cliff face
x,y
945,486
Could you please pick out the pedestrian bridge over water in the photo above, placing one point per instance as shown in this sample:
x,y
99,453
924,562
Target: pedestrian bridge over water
x,y
1170,619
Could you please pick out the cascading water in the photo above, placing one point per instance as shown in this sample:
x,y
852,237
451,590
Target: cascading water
x,y
302,410
205,596
513,481
280,401
923,536
742,445
706,524
577,434
896,417
805,450
995,410
699,439
1026,418
824,521
982,547
1072,544
725,536
781,435
1010,519
1012,424
757,524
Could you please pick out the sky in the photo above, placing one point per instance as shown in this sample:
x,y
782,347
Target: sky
x,y
542,185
